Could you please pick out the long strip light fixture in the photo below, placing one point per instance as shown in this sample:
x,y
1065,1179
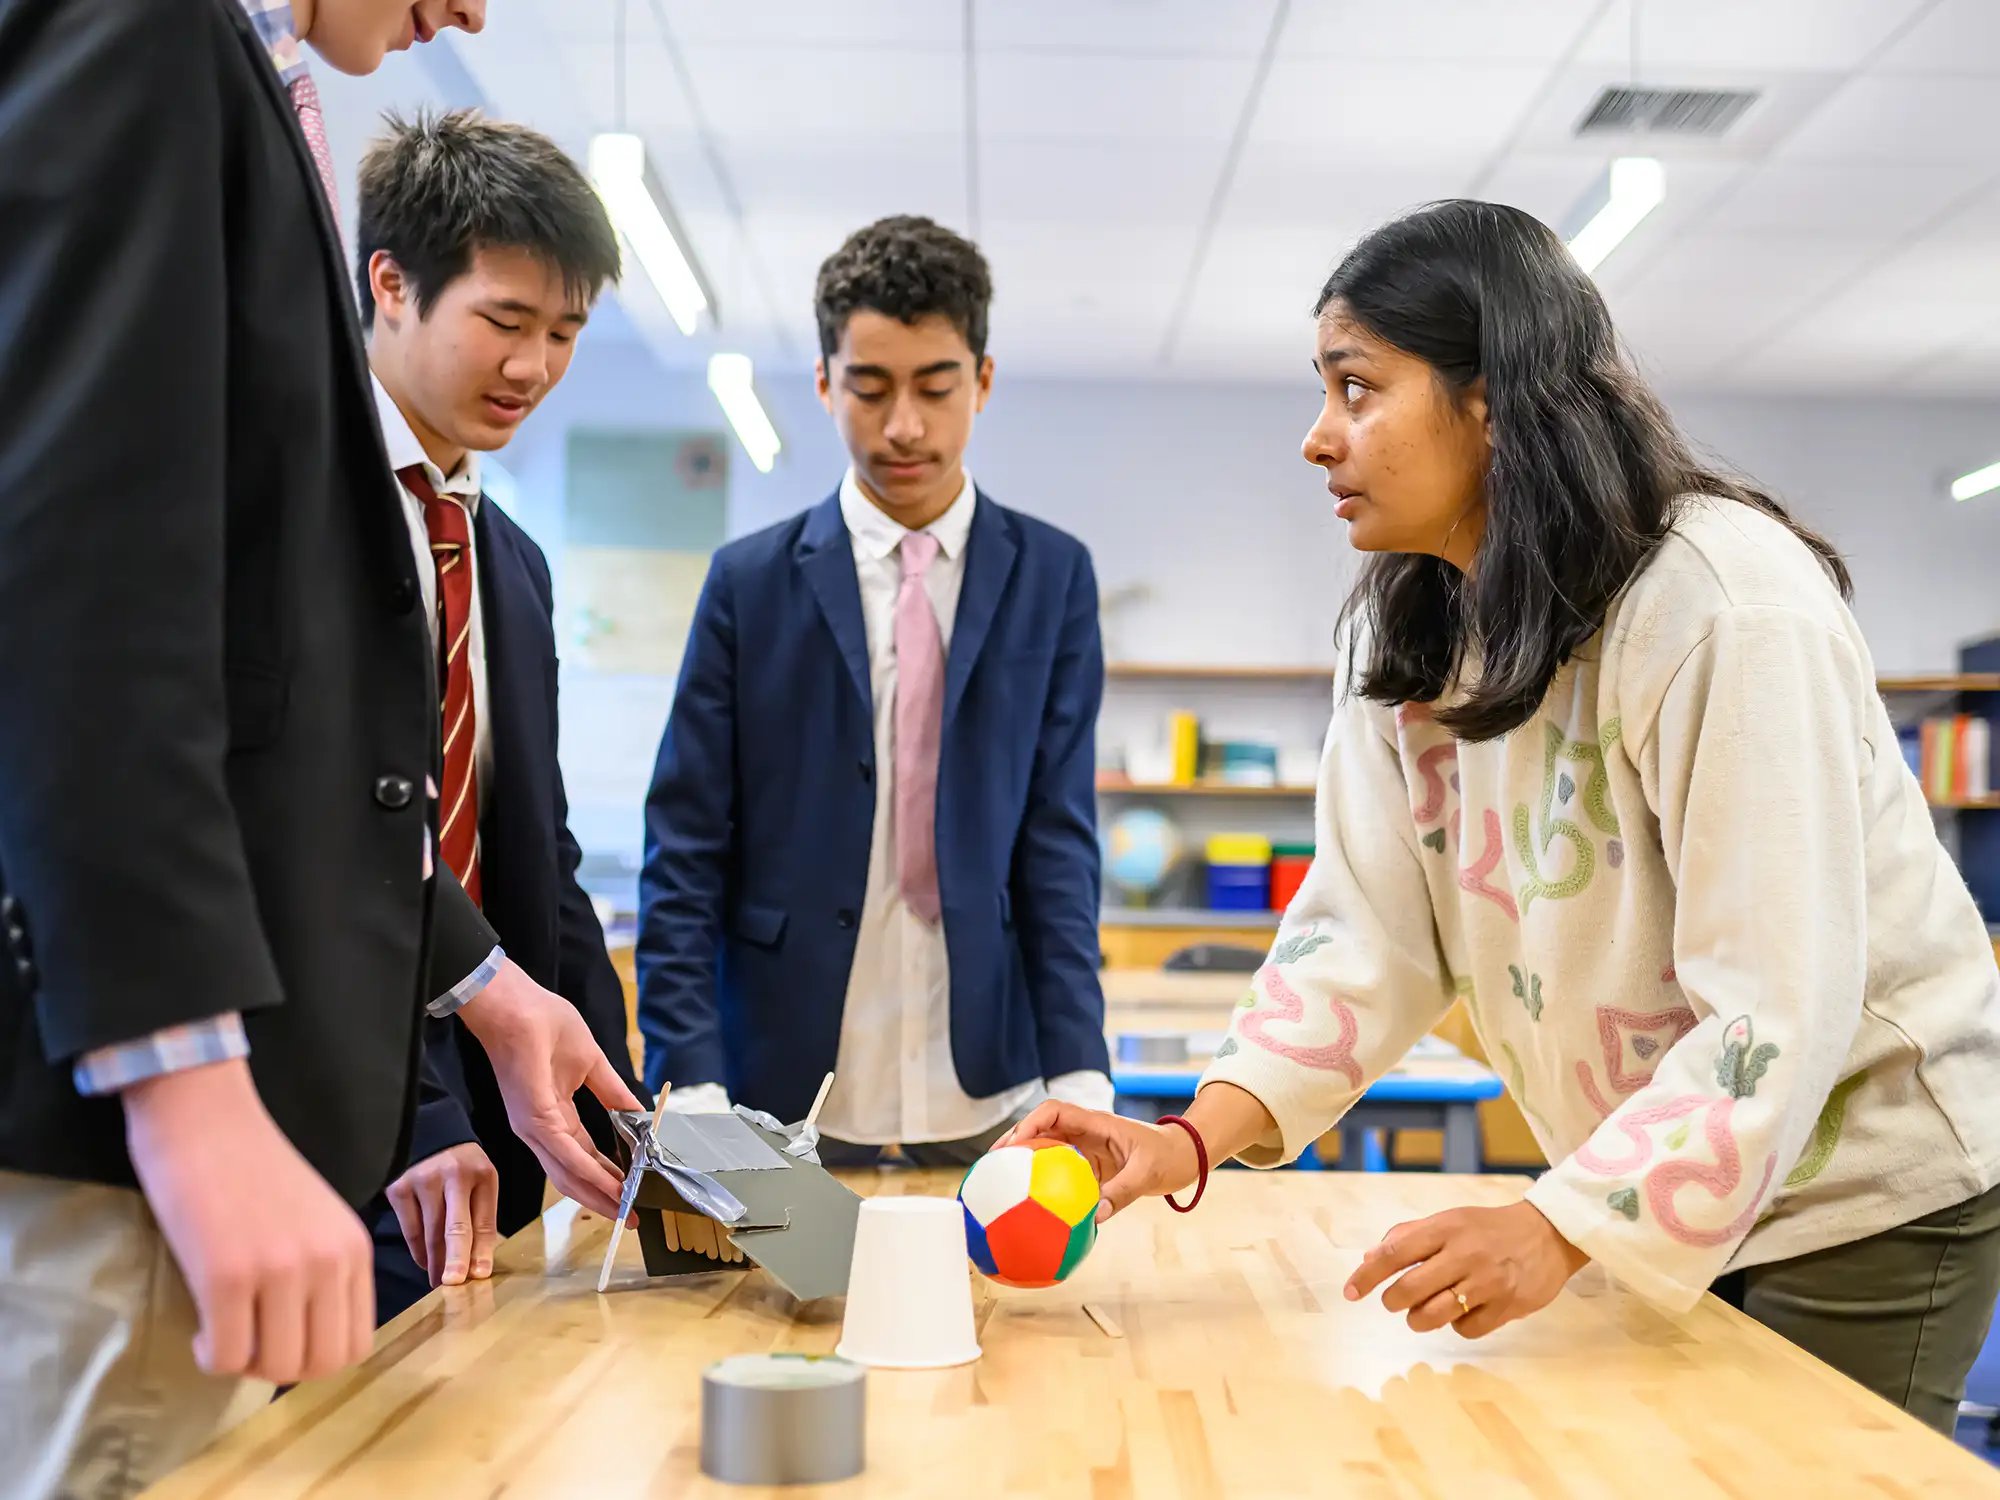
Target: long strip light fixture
x,y
1978,482
618,168
1631,189
730,377
643,217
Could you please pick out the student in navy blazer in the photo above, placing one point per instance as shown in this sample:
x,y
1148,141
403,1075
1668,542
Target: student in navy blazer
x,y
480,251
775,944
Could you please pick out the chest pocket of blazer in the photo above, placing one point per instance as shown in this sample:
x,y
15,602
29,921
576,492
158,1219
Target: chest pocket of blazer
x,y
760,926
256,705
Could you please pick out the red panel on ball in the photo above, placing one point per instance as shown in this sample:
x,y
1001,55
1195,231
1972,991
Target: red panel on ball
x,y
1027,1244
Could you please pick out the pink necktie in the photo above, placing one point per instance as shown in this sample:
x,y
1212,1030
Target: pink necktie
x,y
305,100
919,723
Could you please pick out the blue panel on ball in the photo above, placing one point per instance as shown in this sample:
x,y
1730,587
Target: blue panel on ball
x,y
976,1246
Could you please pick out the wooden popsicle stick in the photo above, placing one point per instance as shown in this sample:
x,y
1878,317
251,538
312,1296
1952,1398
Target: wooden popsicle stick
x,y
660,1106
672,1221
819,1099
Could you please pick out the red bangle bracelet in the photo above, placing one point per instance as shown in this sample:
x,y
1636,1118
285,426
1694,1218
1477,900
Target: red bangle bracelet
x,y
1201,1161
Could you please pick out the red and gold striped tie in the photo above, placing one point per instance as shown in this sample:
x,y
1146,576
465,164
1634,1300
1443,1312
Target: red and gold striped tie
x,y
451,551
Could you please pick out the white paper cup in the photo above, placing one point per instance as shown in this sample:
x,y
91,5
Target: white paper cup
x,y
909,1289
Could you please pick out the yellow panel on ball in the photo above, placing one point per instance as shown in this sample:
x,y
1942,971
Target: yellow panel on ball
x,y
1062,1182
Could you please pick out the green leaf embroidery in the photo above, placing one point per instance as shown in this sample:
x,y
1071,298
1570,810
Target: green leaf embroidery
x,y
1290,950
1626,1202
1528,992
1743,1060
1825,1133
1679,1137
1228,1047
1434,841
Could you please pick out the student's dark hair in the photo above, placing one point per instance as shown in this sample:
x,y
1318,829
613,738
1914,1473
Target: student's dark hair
x,y
1584,481
437,187
904,268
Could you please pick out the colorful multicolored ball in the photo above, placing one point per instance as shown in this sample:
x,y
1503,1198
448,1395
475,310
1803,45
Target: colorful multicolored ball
x,y
1030,1212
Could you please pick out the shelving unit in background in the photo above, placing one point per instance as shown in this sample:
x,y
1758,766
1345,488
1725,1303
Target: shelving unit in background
x,y
1973,831
1289,703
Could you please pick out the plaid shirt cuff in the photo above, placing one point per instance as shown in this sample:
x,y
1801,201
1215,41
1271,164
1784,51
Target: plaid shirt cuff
x,y
468,989
109,1069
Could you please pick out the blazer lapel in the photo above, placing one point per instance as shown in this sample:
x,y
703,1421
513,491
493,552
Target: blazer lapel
x,y
989,563
825,555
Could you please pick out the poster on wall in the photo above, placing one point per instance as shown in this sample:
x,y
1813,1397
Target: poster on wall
x,y
646,511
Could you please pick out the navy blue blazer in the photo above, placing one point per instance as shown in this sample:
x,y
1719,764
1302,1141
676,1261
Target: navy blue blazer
x,y
763,797
528,864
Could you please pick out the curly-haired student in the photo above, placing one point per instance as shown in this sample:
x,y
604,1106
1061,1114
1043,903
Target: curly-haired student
x,y
870,840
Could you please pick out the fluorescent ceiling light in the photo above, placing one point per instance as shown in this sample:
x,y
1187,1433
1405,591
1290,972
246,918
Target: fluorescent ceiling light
x,y
729,376
1631,189
618,168
1978,482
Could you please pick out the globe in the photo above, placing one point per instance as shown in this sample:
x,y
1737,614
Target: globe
x,y
1141,846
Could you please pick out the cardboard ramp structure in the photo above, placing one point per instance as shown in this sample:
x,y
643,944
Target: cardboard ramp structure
x,y
782,1210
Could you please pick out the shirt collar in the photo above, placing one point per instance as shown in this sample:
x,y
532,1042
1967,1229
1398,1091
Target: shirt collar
x,y
404,450
272,21
879,534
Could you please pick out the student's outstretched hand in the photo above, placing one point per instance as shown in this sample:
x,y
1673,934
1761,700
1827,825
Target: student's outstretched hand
x,y
1132,1160
542,1052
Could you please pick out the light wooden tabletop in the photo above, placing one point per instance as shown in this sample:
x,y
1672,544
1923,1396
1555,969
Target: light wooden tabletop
x,y
1238,1370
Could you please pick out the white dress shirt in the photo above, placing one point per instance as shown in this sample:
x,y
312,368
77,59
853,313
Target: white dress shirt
x,y
404,450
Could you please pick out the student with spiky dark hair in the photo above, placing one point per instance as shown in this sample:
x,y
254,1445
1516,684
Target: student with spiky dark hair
x,y
481,249
870,841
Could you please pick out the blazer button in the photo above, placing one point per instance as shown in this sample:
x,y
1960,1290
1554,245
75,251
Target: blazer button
x,y
10,910
844,917
394,792
867,771
404,595
24,970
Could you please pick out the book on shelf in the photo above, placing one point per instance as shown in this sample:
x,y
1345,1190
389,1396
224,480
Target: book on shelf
x,y
1955,758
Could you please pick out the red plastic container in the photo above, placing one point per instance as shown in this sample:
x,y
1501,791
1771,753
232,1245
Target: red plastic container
x,y
1289,863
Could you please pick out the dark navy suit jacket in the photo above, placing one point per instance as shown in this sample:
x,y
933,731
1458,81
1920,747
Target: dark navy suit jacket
x,y
528,867
758,823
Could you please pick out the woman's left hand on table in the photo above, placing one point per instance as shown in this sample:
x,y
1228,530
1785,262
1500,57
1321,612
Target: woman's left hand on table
x,y
1505,1262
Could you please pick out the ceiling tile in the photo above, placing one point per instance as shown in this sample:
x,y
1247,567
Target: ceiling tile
x,y
858,181
1284,183
1466,30
1900,118
808,23
1395,112
1045,96
1954,36
783,93
1099,181
1136,28
1795,35
1872,203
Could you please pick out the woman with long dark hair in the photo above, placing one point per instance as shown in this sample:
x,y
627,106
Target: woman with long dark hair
x,y
1613,769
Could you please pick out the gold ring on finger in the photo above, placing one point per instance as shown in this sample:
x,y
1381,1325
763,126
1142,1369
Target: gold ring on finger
x,y
1463,1305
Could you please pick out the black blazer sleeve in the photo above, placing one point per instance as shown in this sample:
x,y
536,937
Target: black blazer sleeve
x,y
1056,862
441,1121
119,837
690,826
461,940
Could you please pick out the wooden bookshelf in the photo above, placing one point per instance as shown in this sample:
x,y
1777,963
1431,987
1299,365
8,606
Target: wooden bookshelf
x,y
1964,804
1186,916
1117,787
1139,671
1942,682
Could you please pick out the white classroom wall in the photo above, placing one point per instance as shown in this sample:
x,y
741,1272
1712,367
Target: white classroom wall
x,y
1194,498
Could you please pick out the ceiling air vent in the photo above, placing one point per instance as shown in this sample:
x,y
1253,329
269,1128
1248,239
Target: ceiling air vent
x,y
1624,110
